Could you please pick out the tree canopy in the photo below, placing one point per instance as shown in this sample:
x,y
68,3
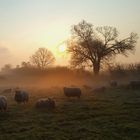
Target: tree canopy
x,y
42,58
91,46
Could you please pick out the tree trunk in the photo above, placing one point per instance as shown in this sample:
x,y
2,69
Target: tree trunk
x,y
96,68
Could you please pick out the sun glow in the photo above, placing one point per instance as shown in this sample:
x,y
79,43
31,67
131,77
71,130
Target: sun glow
x,y
62,48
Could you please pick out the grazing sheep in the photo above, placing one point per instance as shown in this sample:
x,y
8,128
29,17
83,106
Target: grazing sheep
x,y
113,84
134,85
99,90
72,92
3,103
45,103
87,87
21,96
72,86
9,90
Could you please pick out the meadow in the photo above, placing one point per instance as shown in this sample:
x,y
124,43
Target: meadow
x,y
113,115
78,61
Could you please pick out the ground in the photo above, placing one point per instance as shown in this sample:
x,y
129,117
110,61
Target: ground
x,y
113,115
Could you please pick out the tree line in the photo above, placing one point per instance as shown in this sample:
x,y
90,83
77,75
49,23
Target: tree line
x,y
88,47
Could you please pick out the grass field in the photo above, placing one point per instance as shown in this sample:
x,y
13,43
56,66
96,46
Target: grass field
x,y
113,115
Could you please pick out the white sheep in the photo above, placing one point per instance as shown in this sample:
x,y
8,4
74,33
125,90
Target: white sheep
x,y
46,103
3,103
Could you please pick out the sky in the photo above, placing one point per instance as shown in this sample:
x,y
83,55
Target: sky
x,y
26,25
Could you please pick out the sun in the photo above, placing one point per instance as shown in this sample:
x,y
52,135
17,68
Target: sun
x,y
62,48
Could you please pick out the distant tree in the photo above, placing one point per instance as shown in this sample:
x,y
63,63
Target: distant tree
x,y
6,68
17,66
42,58
26,64
93,47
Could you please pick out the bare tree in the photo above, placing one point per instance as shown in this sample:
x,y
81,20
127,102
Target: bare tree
x,y
93,47
26,64
42,58
6,68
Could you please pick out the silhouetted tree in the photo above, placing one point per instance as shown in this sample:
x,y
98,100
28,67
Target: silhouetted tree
x,y
6,68
42,58
26,64
89,46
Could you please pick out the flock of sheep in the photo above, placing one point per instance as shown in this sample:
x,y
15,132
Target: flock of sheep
x,y
23,97
49,103
20,97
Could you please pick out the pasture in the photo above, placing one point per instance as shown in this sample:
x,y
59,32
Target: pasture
x,y
113,115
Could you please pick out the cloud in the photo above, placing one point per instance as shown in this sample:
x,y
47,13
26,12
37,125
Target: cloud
x,y
4,50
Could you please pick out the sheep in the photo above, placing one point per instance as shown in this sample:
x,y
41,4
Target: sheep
x,y
87,87
113,84
99,90
9,90
21,96
3,103
134,85
72,92
46,103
